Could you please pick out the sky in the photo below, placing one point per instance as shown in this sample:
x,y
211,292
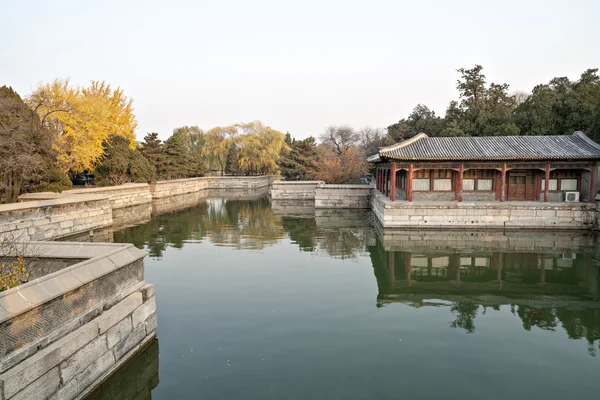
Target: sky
x,y
298,66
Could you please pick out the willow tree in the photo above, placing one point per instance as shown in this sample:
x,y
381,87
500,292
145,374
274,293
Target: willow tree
x,y
82,119
260,148
217,143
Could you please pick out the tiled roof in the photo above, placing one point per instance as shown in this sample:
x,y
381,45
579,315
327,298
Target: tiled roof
x,y
422,147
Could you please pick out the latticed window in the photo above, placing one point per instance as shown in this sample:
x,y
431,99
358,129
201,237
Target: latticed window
x,y
552,184
421,184
478,180
442,184
568,184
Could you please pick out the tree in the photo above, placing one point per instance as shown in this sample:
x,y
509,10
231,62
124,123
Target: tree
x,y
341,137
421,119
121,164
217,143
82,119
260,148
177,159
562,106
371,139
195,142
345,167
481,111
298,163
152,150
26,154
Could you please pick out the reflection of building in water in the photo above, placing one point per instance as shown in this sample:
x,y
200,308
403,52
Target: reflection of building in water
x,y
544,287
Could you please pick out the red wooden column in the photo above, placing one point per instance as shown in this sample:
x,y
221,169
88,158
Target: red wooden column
x,y
461,171
393,179
547,179
503,185
377,179
387,182
592,177
409,183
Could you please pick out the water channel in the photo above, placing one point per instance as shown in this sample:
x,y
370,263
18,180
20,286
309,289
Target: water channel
x,y
258,303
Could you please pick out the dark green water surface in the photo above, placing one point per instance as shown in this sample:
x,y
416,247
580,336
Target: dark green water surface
x,y
276,301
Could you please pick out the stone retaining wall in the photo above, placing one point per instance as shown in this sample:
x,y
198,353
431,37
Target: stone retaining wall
x,y
342,196
485,215
52,219
127,195
323,195
63,333
294,190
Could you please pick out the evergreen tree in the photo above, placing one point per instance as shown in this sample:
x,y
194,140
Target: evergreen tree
x,y
26,151
152,150
298,163
121,164
177,158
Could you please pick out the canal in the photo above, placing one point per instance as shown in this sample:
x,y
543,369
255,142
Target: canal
x,y
255,303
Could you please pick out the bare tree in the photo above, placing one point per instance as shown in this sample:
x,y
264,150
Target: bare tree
x,y
341,137
521,96
371,139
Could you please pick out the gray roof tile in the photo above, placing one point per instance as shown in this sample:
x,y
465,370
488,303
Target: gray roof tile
x,y
422,147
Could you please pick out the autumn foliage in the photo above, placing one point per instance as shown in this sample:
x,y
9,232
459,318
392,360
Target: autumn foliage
x,y
347,165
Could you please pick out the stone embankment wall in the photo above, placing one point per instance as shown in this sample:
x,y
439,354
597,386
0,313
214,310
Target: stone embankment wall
x,y
342,196
127,195
51,219
473,215
63,333
294,190
323,195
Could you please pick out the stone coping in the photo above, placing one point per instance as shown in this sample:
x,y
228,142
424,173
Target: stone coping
x,y
515,205
102,259
93,190
345,186
200,178
53,202
298,183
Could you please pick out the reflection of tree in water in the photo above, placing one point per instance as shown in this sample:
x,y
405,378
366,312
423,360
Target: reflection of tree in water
x,y
542,318
240,224
343,243
465,312
581,324
302,231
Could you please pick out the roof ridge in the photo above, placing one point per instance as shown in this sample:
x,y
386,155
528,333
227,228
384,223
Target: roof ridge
x,y
585,138
406,142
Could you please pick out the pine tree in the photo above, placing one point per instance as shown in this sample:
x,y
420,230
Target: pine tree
x,y
152,150
298,163
176,157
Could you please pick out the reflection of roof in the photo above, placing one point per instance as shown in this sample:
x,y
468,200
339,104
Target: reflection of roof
x,y
423,147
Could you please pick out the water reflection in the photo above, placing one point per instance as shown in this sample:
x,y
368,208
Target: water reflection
x,y
548,287
135,380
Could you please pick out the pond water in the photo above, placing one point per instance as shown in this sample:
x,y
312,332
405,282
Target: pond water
x,y
258,301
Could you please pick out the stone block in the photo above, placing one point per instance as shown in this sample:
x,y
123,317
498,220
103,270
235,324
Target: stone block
x,y
95,370
142,313
133,339
14,303
119,311
82,358
118,332
67,392
41,389
151,323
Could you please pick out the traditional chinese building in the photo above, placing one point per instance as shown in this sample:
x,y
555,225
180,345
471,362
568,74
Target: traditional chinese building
x,y
491,168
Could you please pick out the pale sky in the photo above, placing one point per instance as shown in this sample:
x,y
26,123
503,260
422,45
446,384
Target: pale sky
x,y
297,66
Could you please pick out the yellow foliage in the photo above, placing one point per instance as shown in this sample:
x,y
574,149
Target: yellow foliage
x,y
13,274
259,148
82,118
217,142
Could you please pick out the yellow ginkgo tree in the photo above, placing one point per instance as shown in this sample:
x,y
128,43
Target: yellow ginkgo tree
x,y
82,119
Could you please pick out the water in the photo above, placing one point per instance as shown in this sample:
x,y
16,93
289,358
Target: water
x,y
253,304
